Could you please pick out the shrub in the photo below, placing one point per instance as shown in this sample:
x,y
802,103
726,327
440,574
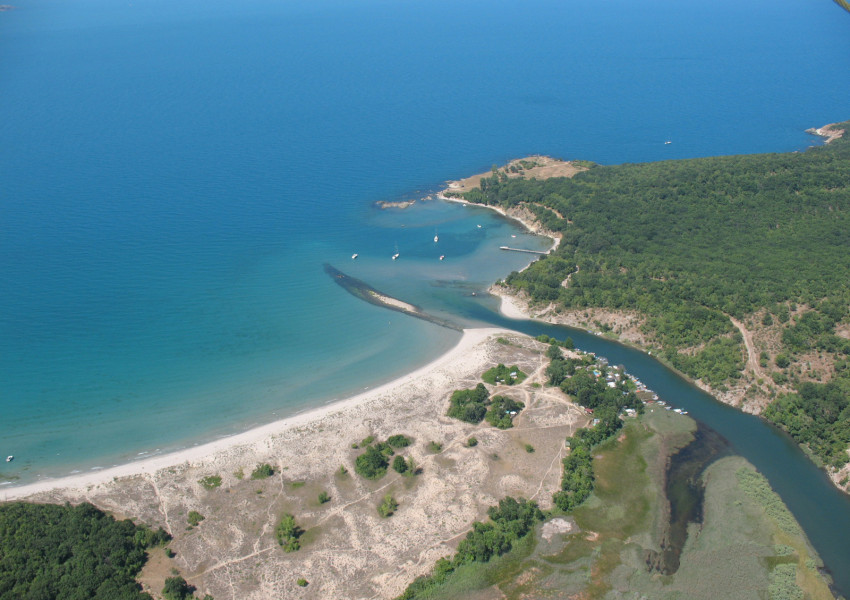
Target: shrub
x,y
302,582
529,448
472,442
435,447
501,373
194,518
176,588
324,497
210,482
388,506
287,533
399,441
262,471
367,440
469,405
399,464
499,414
372,464
240,474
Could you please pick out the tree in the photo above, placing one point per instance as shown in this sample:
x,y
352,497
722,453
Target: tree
x,y
176,588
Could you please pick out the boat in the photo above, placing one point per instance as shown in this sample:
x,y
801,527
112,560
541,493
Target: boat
x,y
353,256
442,256
395,256
10,458
667,142
479,227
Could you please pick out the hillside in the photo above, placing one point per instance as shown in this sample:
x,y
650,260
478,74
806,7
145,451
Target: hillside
x,y
734,269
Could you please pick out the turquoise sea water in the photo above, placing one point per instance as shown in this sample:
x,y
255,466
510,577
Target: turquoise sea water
x,y
174,175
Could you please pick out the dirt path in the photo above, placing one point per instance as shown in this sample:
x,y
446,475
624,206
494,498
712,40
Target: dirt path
x,y
752,359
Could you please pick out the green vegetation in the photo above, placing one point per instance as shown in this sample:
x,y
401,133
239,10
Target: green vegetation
x,y
302,582
435,447
388,506
686,243
194,518
734,554
510,521
240,474
69,552
176,588
472,442
210,482
606,402
324,497
502,411
288,533
373,463
367,440
529,448
469,405
399,464
399,441
818,416
263,471
502,374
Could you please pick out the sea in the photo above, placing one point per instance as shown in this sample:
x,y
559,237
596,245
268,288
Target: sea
x,y
175,175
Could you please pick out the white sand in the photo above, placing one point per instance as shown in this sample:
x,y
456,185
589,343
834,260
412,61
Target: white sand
x,y
257,437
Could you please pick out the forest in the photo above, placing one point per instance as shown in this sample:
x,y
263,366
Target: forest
x,y
689,243
50,552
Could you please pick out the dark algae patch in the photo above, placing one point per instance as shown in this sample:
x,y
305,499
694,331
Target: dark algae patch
x,y
685,491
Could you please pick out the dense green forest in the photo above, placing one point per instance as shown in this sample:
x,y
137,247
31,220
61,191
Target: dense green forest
x,y
688,243
50,552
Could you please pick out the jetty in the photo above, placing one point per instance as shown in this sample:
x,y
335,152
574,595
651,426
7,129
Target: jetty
x,y
543,252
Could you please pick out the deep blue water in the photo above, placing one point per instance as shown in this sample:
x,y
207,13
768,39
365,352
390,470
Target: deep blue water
x,y
174,175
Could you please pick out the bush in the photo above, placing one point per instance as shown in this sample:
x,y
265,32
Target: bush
x,y
399,464
288,533
302,582
529,448
472,442
262,471
176,588
503,374
388,506
324,497
210,482
469,406
372,464
399,441
194,518
499,414
435,447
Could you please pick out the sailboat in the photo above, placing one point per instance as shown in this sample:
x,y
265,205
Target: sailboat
x,y
436,237
395,256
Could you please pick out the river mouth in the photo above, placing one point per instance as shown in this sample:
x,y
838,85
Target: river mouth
x,y
685,493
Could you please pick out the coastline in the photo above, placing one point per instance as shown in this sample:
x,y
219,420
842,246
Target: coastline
x,y
256,437
348,549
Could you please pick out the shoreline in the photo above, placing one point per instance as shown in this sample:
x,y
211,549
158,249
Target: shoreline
x,y
206,453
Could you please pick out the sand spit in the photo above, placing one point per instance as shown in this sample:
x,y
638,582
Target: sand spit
x,y
348,550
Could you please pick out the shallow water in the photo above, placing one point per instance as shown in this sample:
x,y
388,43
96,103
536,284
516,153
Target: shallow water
x,y
174,176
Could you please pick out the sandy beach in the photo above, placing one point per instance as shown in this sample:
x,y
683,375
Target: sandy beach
x,y
349,551
210,452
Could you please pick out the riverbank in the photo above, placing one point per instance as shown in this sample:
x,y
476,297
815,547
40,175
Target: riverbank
x,y
347,550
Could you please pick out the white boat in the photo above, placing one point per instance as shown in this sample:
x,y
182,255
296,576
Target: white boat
x,y
442,256
513,236
667,142
479,227
10,458
395,256
436,239
353,256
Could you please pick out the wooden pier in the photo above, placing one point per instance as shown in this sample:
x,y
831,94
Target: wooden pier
x,y
544,252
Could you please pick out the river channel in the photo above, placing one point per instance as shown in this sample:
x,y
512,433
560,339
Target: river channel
x,y
822,510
